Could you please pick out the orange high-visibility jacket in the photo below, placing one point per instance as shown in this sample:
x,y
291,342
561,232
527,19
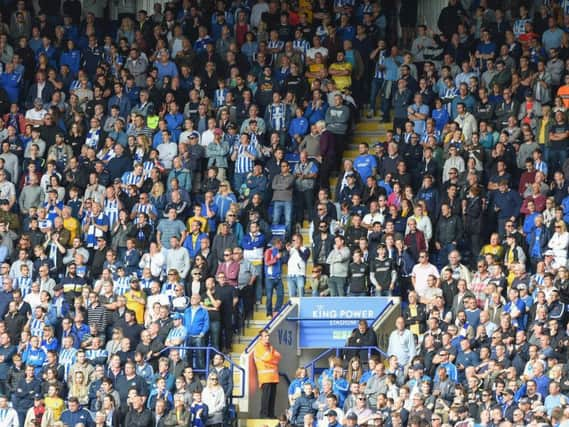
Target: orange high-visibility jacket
x,y
267,360
563,92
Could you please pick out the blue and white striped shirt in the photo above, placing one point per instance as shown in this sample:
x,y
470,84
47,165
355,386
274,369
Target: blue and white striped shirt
x,y
301,46
219,97
277,116
520,26
67,357
122,285
244,164
168,289
92,138
9,417
130,178
275,44
380,72
179,332
95,354
111,209
24,284
36,328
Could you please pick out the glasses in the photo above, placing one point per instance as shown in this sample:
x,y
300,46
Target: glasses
x,y
171,274
231,215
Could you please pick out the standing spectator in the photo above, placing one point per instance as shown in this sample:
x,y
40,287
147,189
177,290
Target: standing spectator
x,y
338,260
196,322
298,255
282,186
274,258
402,343
267,360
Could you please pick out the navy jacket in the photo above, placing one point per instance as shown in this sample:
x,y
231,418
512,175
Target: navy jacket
x,y
73,418
23,396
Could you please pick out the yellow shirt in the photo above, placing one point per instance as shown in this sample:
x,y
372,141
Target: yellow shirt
x,y
136,306
314,68
56,405
541,137
72,225
342,82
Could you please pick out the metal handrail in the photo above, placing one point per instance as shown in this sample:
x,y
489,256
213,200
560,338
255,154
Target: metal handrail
x,y
267,326
311,366
209,350
389,304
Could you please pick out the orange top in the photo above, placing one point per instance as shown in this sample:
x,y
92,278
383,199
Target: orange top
x,y
267,360
563,92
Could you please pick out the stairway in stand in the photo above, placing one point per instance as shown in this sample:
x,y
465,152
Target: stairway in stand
x,y
367,130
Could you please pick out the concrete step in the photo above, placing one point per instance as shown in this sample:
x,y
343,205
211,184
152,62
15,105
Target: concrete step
x,y
371,125
368,138
252,422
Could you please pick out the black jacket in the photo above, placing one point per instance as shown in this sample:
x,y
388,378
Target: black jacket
x,y
318,244
143,418
449,229
473,216
419,319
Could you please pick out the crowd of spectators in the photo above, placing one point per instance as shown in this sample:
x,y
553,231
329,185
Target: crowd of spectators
x,y
156,170
462,212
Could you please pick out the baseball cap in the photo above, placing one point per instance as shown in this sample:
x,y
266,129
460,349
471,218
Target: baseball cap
x,y
331,413
177,316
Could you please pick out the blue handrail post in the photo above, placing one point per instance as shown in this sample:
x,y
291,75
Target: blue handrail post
x,y
209,349
207,357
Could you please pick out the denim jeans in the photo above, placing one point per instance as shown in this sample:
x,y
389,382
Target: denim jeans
x,y
277,286
443,254
258,283
238,180
197,341
296,286
376,85
556,158
336,286
282,208
214,334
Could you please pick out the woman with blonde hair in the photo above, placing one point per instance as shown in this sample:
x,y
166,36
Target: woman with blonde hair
x,y
80,388
126,30
214,397
559,243
158,196
142,148
224,199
